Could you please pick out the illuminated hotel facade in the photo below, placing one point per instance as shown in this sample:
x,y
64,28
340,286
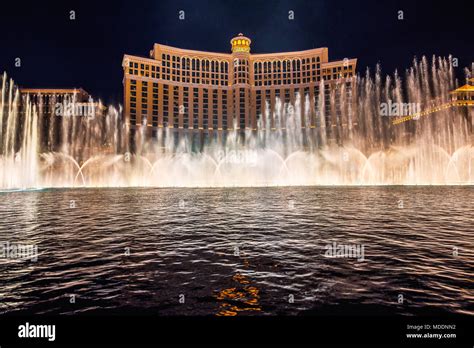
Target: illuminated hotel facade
x,y
212,92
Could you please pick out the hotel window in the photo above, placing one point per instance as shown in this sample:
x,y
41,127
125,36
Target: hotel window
x,y
258,102
205,111
224,109
267,97
176,106
223,73
186,106
214,108
165,105
242,108
195,108
144,118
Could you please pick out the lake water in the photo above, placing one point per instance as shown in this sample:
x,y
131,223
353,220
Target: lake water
x,y
239,251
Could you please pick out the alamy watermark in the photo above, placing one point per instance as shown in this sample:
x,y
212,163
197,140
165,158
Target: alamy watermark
x,y
18,251
68,108
399,109
335,250
37,331
241,157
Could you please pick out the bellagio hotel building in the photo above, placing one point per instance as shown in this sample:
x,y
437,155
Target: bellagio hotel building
x,y
203,91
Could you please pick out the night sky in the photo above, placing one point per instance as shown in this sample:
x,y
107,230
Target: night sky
x,y
87,52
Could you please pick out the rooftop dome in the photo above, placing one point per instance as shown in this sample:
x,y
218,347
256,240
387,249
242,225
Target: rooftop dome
x,y
240,43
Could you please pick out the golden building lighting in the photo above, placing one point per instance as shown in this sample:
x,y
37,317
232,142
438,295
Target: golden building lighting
x,y
194,90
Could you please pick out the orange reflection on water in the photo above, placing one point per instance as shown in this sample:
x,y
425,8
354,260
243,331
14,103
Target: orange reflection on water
x,y
243,298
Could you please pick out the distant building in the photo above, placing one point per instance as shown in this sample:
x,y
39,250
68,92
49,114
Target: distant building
x,y
63,102
53,104
465,93
463,97
203,91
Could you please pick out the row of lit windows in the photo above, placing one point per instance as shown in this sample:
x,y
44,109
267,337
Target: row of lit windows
x,y
300,80
276,75
196,78
241,71
171,98
464,97
240,42
266,73
194,64
147,87
286,65
260,80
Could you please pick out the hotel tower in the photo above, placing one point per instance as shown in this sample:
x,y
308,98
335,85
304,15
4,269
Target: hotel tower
x,y
214,92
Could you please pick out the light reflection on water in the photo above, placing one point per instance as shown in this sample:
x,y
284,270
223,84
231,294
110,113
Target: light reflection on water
x,y
239,251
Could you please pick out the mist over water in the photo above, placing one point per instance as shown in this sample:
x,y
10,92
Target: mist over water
x,y
350,143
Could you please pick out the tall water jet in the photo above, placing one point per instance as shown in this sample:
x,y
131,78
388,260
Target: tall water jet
x,y
18,140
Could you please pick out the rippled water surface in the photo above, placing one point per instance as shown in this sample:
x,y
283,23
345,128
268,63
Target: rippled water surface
x,y
239,251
